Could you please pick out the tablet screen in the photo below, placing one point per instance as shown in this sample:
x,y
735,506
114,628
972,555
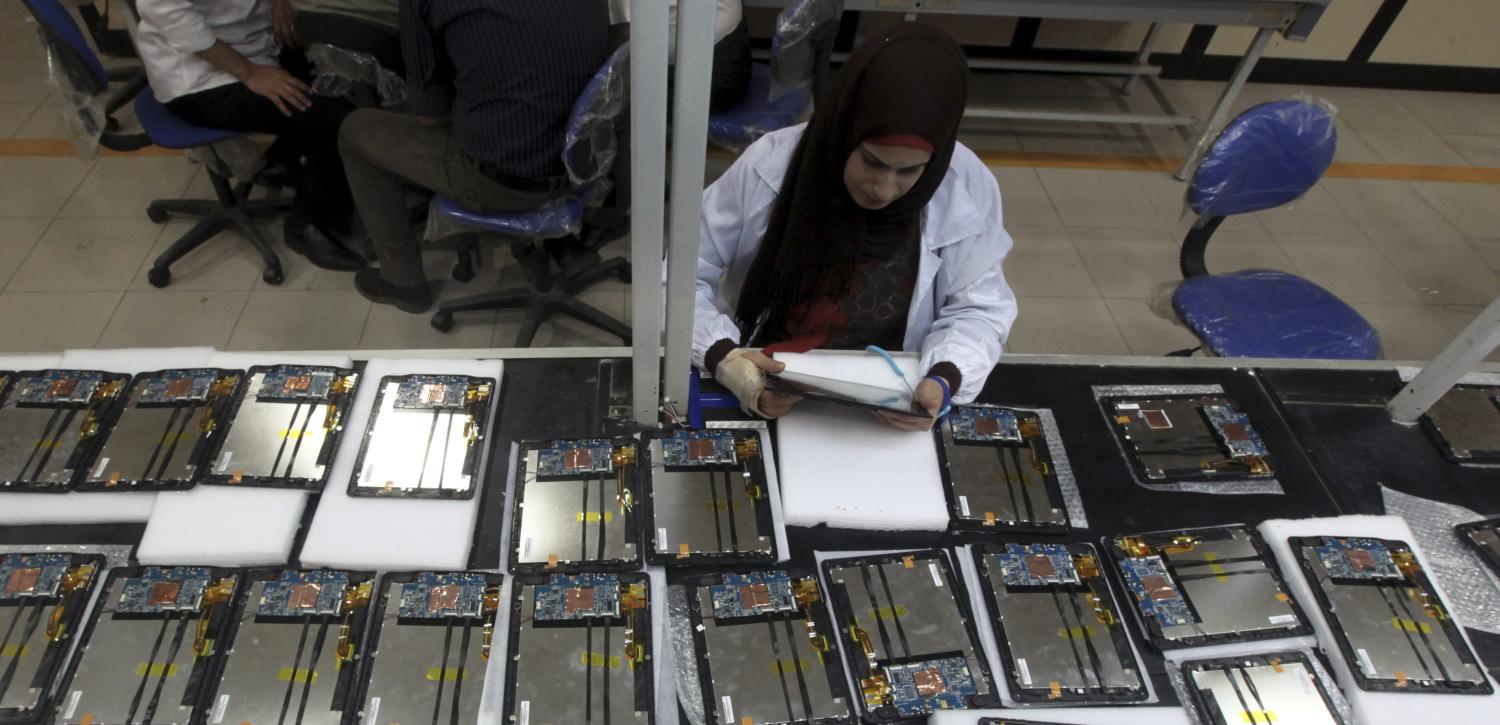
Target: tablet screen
x,y
844,392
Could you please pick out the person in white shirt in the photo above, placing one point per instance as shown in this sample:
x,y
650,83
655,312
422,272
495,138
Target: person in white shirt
x,y
869,225
215,64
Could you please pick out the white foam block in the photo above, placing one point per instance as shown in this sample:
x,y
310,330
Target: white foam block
x,y
661,650
1370,708
93,508
492,702
842,467
218,525
1073,715
394,534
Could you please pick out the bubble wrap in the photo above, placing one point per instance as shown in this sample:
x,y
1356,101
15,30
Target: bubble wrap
x,y
684,659
1475,599
1223,487
1067,483
1179,682
341,72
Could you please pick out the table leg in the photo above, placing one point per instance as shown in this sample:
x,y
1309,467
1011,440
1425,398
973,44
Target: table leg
x,y
1142,57
1226,101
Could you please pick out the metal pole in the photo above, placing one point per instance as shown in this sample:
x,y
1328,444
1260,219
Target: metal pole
x,y
1460,356
648,152
695,32
1226,101
1142,57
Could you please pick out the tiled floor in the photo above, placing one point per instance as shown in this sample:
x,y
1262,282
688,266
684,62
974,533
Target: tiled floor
x,y
1094,259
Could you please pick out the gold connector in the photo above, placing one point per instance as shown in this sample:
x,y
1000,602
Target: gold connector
x,y
747,447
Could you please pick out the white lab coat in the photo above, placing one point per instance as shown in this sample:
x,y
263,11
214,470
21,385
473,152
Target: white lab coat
x,y
171,32
961,309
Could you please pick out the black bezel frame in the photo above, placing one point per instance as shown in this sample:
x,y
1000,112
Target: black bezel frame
x,y
1201,703
764,520
474,459
87,449
75,604
1049,479
341,403
631,519
1138,465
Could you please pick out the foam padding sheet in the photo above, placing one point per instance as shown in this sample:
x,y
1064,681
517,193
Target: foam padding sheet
x,y
842,467
395,534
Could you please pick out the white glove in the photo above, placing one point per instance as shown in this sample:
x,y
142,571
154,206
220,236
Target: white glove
x,y
743,378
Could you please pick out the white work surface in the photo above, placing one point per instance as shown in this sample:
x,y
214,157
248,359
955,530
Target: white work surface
x,y
842,467
131,507
226,526
1371,708
395,534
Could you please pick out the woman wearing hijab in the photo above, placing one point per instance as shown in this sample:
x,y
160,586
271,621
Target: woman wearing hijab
x,y
869,225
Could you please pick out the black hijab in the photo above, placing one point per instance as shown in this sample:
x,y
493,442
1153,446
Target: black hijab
x,y
909,78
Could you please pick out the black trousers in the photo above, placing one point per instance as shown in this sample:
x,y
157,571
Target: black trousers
x,y
311,135
731,70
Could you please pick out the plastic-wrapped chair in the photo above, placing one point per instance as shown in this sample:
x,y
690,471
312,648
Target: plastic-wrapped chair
x,y
590,151
232,209
781,93
1268,156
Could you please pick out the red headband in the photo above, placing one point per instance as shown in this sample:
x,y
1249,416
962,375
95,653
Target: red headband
x,y
909,140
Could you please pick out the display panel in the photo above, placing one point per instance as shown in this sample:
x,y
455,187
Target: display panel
x,y
997,471
165,431
284,428
50,421
708,499
42,600
1179,438
425,438
576,506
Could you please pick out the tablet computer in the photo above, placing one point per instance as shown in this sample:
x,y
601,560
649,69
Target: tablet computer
x,y
844,392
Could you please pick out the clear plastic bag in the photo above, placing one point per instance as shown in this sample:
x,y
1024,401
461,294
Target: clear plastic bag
x,y
344,73
1266,157
592,140
794,53
237,157
74,91
560,217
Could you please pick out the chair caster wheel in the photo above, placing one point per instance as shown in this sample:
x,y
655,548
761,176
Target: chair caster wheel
x,y
624,274
159,277
272,275
156,214
442,321
463,273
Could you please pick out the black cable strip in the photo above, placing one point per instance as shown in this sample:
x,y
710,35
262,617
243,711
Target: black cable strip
x,y
161,440
140,690
176,439
729,503
463,671
291,682
1062,616
52,447
10,669
1015,459
427,450
1385,595
297,447
807,707
312,667
713,496
281,449
895,615
885,637
44,442
166,669
786,694
437,702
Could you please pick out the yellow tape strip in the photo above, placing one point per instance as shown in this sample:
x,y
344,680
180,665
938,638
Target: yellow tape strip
x,y
301,674
155,669
449,674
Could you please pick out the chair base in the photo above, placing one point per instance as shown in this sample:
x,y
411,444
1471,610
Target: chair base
x,y
232,210
541,300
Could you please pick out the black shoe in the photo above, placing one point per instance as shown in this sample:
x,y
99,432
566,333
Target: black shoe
x,y
319,247
415,300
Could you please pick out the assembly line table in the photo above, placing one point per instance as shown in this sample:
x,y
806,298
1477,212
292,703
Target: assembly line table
x,y
1293,19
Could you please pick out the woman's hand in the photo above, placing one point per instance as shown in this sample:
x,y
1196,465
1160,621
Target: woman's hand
x,y
928,396
284,23
743,372
281,87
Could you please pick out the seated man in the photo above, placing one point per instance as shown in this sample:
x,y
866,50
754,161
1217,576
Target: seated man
x,y
214,64
492,84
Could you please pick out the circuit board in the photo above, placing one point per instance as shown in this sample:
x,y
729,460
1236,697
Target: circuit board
x,y
1036,565
907,636
576,506
443,596
1183,438
580,666
998,472
1261,689
430,645
984,424
1146,578
42,600
283,428
741,596
708,499
303,593
1484,537
154,630
1395,633
295,636
164,432
570,598
699,448
1465,423
425,438
1057,625
50,425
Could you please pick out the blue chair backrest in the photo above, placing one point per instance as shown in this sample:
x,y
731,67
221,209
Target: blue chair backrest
x,y
794,52
78,60
1267,156
592,140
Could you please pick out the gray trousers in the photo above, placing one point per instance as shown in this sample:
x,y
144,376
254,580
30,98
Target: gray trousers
x,y
384,152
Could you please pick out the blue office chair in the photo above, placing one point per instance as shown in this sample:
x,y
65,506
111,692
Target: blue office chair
x,y
1268,156
233,208
782,92
592,156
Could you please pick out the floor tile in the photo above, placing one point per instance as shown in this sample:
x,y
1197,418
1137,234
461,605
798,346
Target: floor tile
x,y
12,115
21,80
1407,332
1168,199
17,237
1044,263
1086,198
1127,262
124,186
171,318
1477,150
1145,331
388,328
562,330
1458,317
1352,148
37,186
1065,325
1024,200
225,262
1450,112
1371,109
1348,266
86,255
45,122
1421,147
1443,270
1473,208
53,321
1387,208
1315,213
1234,251
300,320
1488,249
298,273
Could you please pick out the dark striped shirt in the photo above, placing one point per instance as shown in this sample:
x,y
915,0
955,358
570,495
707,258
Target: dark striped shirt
x,y
508,71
